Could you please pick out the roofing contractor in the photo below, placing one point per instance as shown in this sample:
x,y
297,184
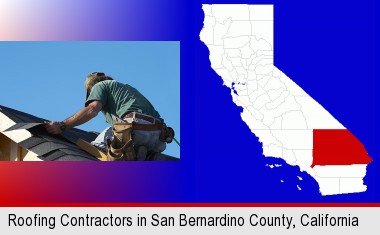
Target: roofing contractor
x,y
137,128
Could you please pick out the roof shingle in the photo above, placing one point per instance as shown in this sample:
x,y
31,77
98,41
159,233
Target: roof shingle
x,y
49,147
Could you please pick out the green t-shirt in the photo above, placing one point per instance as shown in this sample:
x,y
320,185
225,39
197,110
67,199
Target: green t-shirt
x,y
119,99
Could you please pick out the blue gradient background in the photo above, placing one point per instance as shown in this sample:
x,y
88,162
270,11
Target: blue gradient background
x,y
327,47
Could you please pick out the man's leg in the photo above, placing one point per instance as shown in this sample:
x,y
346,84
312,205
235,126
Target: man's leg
x,y
101,141
149,139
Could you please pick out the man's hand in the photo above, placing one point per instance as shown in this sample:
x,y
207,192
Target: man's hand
x,y
53,127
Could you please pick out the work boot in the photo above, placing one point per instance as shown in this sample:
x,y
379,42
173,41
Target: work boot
x,y
141,153
158,157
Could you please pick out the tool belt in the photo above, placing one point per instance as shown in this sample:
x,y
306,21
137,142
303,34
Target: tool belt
x,y
167,134
142,116
121,146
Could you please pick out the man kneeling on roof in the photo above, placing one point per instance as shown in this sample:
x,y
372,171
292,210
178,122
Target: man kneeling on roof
x,y
138,130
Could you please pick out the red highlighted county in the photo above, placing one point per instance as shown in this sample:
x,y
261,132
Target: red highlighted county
x,y
337,147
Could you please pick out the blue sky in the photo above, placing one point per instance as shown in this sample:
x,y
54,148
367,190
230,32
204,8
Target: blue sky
x,y
46,79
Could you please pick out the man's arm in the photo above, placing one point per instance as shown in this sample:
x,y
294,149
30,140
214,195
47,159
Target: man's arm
x,y
82,116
